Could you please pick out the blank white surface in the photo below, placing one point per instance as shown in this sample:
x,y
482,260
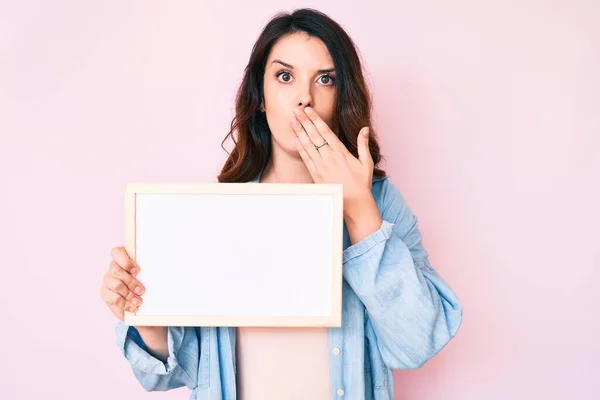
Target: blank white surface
x,y
239,255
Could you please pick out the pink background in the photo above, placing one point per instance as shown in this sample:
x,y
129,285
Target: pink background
x,y
488,113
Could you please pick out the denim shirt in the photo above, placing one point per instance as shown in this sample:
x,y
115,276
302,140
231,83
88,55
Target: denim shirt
x,y
397,313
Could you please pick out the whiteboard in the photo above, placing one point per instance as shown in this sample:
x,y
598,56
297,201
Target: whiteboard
x,y
236,254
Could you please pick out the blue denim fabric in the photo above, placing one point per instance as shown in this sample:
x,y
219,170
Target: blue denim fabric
x,y
397,314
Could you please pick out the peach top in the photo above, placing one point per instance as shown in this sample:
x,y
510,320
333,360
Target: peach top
x,y
283,364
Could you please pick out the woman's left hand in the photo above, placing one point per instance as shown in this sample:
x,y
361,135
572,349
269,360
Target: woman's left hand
x,y
333,163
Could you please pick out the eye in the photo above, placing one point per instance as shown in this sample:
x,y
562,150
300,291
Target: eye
x,y
327,80
284,76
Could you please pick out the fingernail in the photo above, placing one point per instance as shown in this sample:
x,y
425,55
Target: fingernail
x,y
307,109
134,271
366,132
138,290
297,111
136,301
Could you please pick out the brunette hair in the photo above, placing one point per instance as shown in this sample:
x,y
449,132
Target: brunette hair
x,y
252,147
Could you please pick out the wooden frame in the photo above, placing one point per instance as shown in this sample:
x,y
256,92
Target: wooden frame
x,y
332,192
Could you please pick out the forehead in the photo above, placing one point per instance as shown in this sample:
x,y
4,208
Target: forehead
x,y
302,51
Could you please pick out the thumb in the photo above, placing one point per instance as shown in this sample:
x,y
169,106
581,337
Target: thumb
x,y
364,155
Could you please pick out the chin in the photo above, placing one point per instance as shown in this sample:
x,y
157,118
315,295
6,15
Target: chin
x,y
287,143
291,150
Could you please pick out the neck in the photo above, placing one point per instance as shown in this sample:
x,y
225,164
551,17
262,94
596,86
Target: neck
x,y
286,168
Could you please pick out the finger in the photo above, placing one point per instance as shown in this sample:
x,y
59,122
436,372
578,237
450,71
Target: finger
x,y
364,154
307,144
114,299
310,165
119,286
334,142
132,283
313,133
119,312
122,258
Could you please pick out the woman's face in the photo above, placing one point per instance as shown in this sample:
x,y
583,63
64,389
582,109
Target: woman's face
x,y
299,70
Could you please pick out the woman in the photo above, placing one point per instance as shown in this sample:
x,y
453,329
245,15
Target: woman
x,y
303,115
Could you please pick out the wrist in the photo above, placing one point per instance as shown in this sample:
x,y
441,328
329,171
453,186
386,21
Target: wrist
x,y
359,204
362,217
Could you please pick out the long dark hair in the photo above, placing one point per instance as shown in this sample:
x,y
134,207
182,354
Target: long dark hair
x,y
252,151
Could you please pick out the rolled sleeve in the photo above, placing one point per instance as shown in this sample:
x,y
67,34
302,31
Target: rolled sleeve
x,y
362,247
133,348
181,367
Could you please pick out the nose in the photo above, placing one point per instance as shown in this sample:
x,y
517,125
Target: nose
x,y
304,98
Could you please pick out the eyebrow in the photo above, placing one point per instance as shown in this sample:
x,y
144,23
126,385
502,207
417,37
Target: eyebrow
x,y
321,71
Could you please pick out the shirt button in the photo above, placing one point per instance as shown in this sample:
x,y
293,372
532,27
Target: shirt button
x,y
336,351
340,392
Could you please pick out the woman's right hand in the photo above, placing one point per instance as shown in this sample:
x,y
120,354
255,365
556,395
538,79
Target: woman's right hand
x,y
120,289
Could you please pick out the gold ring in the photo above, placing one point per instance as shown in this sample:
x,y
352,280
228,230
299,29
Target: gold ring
x,y
321,145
